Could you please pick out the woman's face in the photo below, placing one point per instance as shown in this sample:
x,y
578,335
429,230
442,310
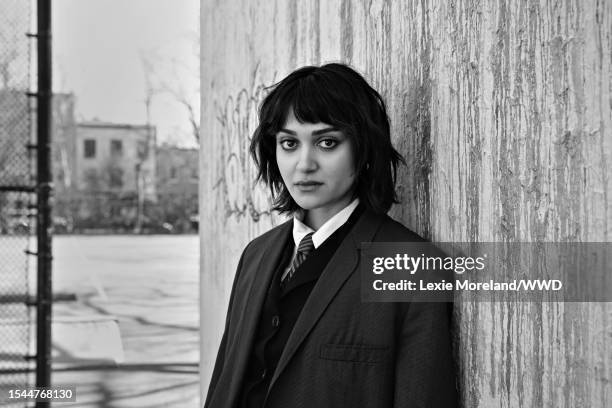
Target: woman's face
x,y
317,166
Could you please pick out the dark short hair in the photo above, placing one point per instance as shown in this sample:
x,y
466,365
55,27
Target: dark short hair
x,y
339,96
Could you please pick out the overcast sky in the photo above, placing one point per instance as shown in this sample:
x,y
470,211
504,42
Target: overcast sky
x,y
97,48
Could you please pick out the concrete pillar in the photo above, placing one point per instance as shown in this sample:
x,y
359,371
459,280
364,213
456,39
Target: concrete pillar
x,y
503,111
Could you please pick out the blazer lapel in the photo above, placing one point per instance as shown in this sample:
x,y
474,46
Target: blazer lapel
x,y
337,271
257,276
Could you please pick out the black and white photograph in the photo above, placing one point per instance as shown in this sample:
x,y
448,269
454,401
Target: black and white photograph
x,y
305,203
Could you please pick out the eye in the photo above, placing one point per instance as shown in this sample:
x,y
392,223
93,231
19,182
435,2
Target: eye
x,y
288,144
328,143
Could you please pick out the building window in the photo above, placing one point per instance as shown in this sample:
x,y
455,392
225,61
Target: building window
x,y
142,150
173,172
116,147
89,148
116,177
90,179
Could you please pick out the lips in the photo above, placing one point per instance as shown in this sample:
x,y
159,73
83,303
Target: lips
x,y
307,186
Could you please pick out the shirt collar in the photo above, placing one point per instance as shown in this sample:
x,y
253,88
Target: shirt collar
x,y
300,230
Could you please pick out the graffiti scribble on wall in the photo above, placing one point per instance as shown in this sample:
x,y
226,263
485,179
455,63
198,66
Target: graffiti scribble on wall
x,y
237,118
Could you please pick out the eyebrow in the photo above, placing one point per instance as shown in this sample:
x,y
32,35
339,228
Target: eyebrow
x,y
315,133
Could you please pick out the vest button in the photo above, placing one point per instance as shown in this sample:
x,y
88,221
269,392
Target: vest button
x,y
275,321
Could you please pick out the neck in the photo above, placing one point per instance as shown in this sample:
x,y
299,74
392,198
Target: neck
x,y
316,217
315,220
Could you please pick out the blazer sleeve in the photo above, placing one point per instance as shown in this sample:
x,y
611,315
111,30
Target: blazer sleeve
x,y
424,375
220,360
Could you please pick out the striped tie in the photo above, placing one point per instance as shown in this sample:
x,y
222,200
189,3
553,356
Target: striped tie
x,y
306,247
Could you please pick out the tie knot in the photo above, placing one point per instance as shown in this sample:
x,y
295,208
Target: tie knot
x,y
306,246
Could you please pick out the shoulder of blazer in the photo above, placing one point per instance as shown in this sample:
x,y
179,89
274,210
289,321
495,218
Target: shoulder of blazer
x,y
271,237
393,231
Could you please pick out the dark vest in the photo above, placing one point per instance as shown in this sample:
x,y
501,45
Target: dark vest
x,y
281,310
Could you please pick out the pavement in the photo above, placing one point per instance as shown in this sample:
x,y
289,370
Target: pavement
x,y
131,339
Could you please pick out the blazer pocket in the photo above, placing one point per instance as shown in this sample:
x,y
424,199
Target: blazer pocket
x,y
353,353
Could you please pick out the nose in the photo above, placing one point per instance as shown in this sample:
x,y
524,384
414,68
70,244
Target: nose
x,y
306,160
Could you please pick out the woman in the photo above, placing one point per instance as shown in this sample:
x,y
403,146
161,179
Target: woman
x,y
297,333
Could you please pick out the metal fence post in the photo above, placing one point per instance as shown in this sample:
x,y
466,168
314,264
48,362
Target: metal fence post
x,y
44,188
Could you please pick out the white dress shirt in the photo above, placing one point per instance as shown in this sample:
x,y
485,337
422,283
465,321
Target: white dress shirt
x,y
300,230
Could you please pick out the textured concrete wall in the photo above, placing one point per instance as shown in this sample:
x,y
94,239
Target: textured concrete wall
x,y
503,110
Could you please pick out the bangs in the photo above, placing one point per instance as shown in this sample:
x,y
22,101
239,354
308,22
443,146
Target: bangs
x,y
312,101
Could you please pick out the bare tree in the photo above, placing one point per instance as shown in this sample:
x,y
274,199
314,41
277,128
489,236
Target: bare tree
x,y
192,112
14,108
14,59
6,60
190,101
151,90
171,76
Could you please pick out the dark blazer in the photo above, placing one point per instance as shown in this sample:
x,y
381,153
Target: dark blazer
x,y
341,352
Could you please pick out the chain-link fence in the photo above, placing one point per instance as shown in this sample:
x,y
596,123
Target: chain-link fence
x,y
17,210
